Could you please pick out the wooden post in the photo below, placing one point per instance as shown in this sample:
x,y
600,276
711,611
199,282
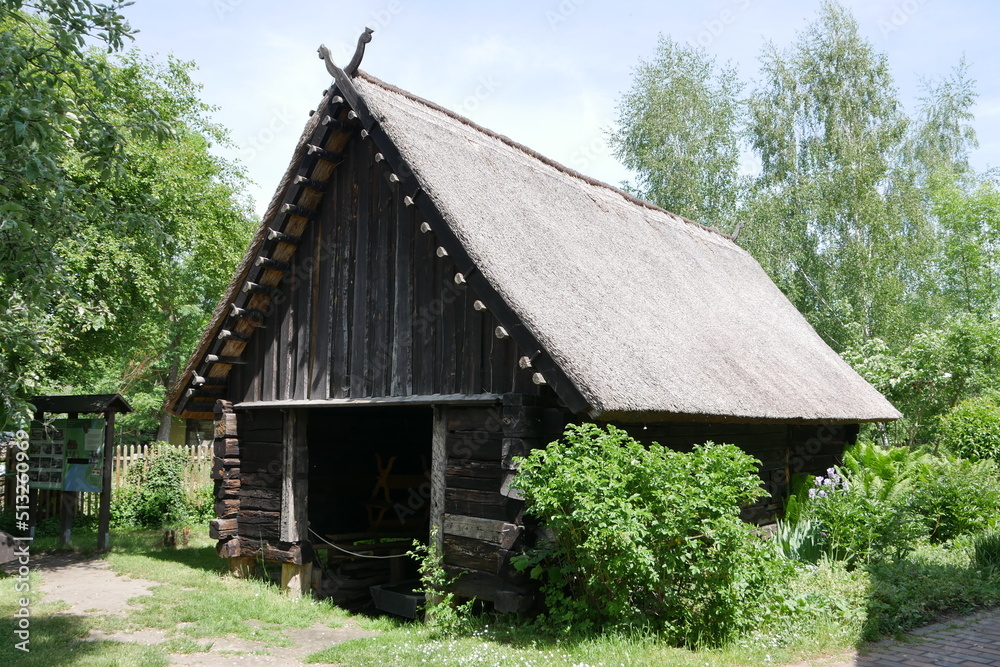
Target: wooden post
x,y
439,464
296,579
104,519
295,478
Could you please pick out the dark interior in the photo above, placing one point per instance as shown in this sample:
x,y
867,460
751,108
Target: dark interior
x,y
347,448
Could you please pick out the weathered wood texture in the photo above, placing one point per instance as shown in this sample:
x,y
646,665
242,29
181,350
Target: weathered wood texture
x,y
484,524
295,478
368,309
261,434
225,472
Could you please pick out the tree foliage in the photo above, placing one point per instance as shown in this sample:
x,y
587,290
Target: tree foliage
x,y
115,219
679,133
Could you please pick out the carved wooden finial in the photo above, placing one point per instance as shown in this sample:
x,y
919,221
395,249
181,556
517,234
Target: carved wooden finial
x,y
352,67
359,53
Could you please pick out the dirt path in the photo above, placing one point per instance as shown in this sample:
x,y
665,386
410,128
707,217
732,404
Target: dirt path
x,y
89,586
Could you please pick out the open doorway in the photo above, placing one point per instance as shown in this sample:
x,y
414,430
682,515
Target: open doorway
x,y
369,494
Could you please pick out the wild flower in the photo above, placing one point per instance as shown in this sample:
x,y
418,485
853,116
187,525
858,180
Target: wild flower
x,y
827,484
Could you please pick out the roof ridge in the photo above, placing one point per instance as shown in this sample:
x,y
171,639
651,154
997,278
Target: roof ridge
x,y
569,171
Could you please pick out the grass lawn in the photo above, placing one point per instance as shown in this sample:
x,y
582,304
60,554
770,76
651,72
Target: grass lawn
x,y
192,603
826,613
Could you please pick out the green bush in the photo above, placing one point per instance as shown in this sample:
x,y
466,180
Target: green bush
x,y
647,537
154,494
955,497
857,523
922,586
972,428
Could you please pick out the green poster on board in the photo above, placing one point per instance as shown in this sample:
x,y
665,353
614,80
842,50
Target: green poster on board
x,y
66,454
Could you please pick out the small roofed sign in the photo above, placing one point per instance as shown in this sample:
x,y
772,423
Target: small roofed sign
x,y
66,455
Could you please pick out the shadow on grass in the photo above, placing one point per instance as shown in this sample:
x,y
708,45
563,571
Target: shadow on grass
x,y
56,640
198,558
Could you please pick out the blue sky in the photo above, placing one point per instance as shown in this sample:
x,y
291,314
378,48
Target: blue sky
x,y
545,73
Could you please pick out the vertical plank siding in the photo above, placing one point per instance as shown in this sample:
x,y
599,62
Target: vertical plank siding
x,y
368,309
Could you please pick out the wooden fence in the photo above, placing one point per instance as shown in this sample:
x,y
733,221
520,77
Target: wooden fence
x,y
196,476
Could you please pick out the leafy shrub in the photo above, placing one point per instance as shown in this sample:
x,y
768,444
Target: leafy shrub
x,y
859,521
646,537
972,428
154,493
986,550
956,497
862,512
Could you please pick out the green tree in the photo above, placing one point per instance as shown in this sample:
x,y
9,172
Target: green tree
x,y
679,133
157,289
835,220
115,220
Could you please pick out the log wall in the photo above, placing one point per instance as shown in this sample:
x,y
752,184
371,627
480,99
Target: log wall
x,y
247,469
484,522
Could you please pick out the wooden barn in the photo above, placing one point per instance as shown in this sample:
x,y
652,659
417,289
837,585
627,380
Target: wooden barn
x,y
426,300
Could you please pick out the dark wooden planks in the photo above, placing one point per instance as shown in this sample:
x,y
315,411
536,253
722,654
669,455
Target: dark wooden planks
x,y
369,310
343,222
260,444
401,376
359,319
379,296
322,306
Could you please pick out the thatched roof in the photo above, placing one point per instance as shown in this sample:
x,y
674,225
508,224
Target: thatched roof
x,y
644,311
639,313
